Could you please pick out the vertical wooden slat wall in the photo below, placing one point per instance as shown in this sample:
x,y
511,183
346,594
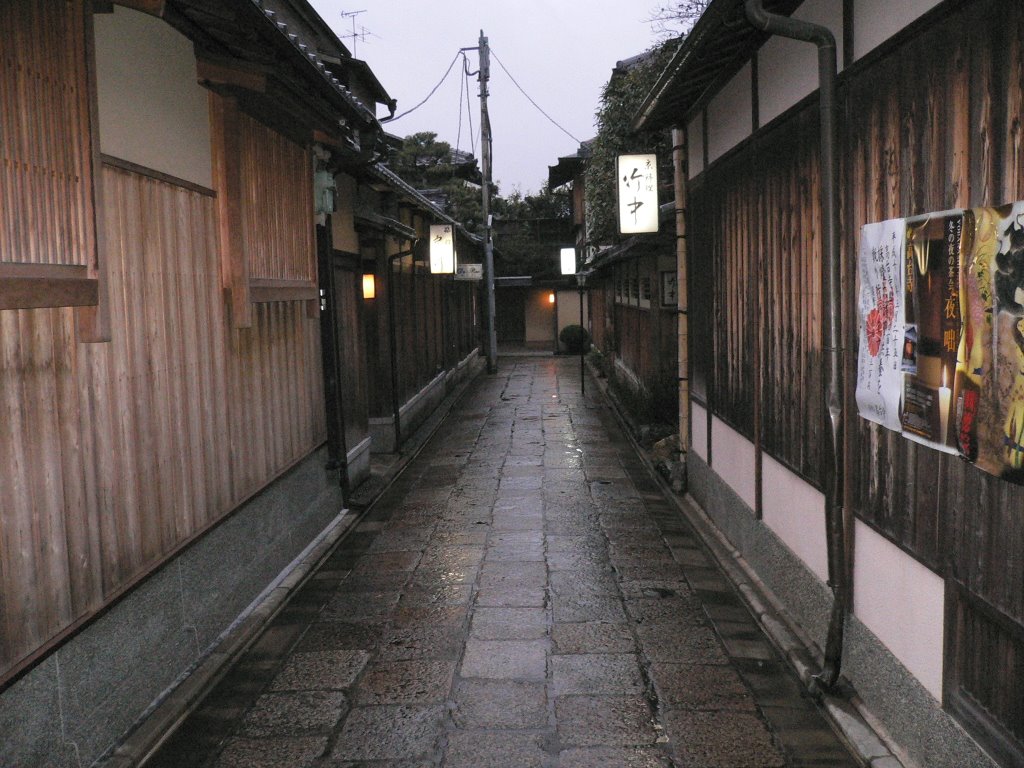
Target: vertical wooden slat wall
x,y
277,226
931,122
45,179
121,452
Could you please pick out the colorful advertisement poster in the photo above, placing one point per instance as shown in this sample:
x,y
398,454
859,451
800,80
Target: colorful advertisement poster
x,y
881,317
961,333
934,326
991,418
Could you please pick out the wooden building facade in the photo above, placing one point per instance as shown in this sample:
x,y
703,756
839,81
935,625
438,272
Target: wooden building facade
x,y
632,297
930,106
165,408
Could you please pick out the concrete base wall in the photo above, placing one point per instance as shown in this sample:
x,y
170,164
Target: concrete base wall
x,y
358,461
422,404
67,711
904,707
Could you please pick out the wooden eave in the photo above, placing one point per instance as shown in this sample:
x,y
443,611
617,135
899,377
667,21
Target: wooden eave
x,y
245,50
719,45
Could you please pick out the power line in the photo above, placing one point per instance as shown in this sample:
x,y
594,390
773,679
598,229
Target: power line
x,y
462,88
469,109
536,106
433,90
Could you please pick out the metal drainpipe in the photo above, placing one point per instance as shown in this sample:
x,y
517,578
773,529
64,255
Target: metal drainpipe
x,y
835,529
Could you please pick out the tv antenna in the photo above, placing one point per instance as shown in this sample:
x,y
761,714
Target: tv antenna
x,y
356,36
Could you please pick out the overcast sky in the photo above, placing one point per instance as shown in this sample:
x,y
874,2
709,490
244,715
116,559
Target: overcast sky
x,y
560,52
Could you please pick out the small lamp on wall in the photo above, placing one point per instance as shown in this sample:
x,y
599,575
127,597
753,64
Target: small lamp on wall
x,y
369,286
551,298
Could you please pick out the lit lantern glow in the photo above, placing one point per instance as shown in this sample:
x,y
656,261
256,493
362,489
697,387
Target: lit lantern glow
x,y
568,261
551,298
369,287
442,249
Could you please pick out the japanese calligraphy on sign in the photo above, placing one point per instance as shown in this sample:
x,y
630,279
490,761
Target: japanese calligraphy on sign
x,y
637,185
442,249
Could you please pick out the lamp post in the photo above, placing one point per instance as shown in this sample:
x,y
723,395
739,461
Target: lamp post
x,y
567,260
581,279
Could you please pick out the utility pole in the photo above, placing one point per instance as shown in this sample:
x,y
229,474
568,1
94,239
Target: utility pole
x,y
485,151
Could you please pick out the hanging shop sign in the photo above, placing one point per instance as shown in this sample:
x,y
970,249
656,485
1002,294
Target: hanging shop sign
x,y
442,249
637,193
941,327
469,271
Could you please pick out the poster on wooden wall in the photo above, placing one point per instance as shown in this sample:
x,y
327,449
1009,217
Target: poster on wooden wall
x,y
934,328
947,289
879,374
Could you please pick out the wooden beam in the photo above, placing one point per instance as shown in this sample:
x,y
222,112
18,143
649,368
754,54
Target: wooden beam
x,y
92,318
234,74
263,290
227,178
37,292
152,7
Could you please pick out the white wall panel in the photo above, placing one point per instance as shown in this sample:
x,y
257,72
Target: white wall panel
x,y
152,111
699,430
730,115
795,511
732,458
787,70
875,21
695,146
902,603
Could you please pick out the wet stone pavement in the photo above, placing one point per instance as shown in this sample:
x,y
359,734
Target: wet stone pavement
x,y
522,596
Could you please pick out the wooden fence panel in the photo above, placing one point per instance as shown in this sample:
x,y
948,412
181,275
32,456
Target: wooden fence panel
x,y
277,220
122,452
46,177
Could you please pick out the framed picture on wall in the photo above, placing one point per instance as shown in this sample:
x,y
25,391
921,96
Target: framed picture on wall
x,y
669,297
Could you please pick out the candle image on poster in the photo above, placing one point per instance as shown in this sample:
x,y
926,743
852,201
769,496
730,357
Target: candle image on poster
x,y
880,315
933,330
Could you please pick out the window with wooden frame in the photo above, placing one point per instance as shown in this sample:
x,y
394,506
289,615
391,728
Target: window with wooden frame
x,y
645,292
49,235
265,195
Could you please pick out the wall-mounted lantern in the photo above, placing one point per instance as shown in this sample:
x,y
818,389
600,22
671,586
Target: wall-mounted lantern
x,y
442,249
551,297
568,261
369,286
637,186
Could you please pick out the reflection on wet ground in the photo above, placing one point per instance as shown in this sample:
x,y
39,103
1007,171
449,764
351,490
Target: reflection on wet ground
x,y
523,595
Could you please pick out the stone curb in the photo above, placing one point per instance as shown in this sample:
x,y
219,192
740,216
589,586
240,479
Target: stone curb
x,y
846,713
157,724
160,721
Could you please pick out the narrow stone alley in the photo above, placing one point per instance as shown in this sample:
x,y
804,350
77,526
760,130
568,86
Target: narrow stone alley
x,y
522,595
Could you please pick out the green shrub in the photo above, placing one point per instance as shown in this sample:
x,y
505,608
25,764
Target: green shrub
x,y
575,339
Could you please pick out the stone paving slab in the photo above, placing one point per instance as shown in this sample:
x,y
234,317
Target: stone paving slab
x,y
521,596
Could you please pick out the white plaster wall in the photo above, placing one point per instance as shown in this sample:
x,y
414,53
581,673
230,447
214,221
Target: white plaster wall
x,y
540,317
875,21
730,115
795,511
732,458
787,70
902,603
695,147
699,430
152,112
568,305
